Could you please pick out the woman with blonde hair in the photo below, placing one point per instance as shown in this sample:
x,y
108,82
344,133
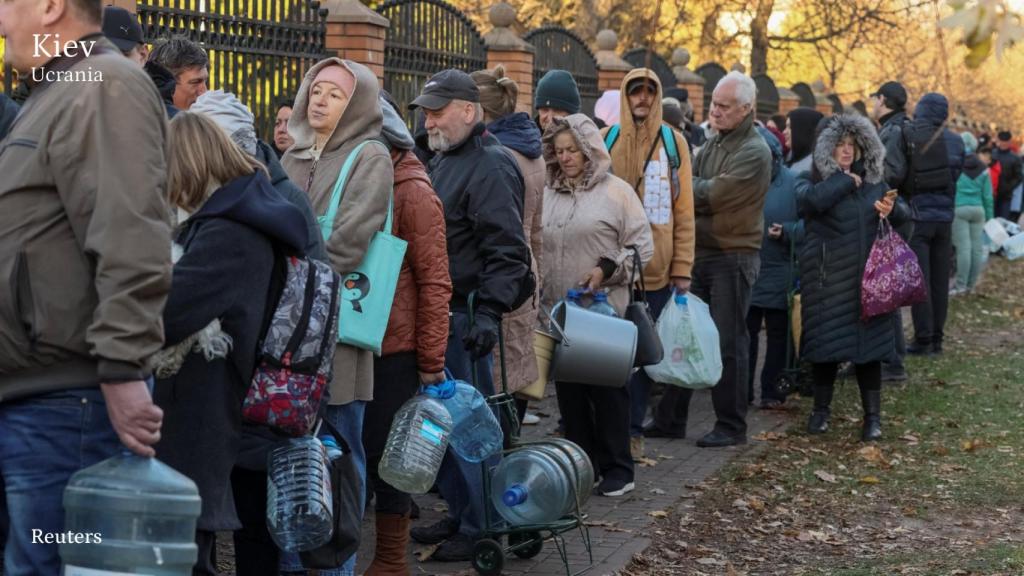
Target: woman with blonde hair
x,y
229,219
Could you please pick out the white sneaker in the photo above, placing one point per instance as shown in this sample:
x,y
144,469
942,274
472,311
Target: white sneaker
x,y
530,419
613,491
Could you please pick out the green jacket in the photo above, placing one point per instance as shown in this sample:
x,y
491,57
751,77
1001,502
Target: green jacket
x,y
974,187
730,181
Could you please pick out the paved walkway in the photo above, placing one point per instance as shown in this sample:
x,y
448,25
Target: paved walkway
x,y
619,527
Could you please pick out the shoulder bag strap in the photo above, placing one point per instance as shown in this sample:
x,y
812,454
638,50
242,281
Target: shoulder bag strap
x,y
327,221
637,270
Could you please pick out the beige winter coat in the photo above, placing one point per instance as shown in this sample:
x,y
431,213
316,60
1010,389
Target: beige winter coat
x,y
518,327
597,217
363,206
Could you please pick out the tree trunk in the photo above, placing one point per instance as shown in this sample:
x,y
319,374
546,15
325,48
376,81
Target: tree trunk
x,y
709,35
759,37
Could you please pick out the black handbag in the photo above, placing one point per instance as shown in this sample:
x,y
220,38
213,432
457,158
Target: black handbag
x,y
649,350
347,507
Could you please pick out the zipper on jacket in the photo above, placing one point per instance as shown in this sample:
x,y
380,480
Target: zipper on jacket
x,y
312,171
822,268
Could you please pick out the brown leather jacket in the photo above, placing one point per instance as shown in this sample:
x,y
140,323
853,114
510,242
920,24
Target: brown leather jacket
x,y
419,315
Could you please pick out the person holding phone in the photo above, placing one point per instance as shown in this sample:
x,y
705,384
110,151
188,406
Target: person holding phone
x,y
841,210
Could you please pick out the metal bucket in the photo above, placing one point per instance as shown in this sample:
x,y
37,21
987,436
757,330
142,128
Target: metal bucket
x,y
544,349
594,348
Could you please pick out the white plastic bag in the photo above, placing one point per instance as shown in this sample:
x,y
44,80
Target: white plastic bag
x,y
1014,247
693,358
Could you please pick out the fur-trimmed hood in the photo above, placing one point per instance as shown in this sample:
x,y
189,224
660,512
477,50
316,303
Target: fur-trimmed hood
x,y
872,152
587,135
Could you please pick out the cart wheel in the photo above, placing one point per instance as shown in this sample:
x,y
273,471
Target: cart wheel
x,y
534,538
488,558
786,384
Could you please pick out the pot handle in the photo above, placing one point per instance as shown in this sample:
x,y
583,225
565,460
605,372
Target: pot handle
x,y
554,324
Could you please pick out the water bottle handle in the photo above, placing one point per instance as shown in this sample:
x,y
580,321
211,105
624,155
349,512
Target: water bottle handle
x,y
345,448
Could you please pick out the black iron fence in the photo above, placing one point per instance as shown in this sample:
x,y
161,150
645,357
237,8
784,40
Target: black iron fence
x,y
560,49
425,37
259,50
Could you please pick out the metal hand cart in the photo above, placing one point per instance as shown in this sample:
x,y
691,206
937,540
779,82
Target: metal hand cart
x,y
789,379
528,540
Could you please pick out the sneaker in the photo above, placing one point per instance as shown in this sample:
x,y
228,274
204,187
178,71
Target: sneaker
x,y
636,447
458,548
920,349
653,431
717,439
435,533
530,419
613,488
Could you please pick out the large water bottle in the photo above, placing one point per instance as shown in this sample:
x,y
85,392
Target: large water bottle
x,y
601,305
539,483
416,445
476,433
131,515
299,513
574,297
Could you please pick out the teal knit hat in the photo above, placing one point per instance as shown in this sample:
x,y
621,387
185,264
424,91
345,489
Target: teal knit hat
x,y
557,89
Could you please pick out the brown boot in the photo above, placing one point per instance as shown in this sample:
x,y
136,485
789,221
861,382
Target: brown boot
x,y
391,558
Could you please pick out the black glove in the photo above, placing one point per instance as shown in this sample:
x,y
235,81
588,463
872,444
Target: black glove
x,y
483,334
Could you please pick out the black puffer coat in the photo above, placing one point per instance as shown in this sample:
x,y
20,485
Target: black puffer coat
x,y
841,224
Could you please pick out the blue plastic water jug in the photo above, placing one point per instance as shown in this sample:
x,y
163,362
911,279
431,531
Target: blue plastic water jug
x,y
600,305
574,297
416,445
540,483
476,433
299,513
130,515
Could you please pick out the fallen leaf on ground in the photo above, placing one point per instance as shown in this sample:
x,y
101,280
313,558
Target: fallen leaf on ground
x,y
870,480
972,445
424,553
825,476
658,514
711,562
910,438
657,491
768,436
872,454
646,462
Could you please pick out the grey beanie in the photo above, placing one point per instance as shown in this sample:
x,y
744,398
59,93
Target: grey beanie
x,y
233,117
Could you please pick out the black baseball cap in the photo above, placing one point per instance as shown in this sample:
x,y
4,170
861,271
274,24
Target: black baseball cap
x,y
445,86
636,83
894,93
122,28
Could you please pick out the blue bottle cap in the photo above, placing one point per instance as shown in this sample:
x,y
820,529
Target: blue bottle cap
x,y
329,443
601,296
573,294
515,495
680,299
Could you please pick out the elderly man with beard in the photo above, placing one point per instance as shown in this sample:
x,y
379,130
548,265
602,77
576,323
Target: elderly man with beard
x,y
481,188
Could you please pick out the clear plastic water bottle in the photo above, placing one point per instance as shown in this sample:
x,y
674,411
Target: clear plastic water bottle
x,y
416,445
134,515
601,305
539,484
299,513
476,433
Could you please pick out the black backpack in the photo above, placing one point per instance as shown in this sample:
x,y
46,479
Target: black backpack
x,y
927,159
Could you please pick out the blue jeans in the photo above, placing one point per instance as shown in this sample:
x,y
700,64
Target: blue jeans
x,y
43,441
460,482
640,382
348,419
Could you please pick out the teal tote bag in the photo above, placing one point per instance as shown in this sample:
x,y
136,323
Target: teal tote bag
x,y
367,292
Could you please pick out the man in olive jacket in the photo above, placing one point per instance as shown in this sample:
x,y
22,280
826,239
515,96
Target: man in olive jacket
x,y
85,254
732,174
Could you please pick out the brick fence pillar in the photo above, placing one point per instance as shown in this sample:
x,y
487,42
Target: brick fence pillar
x,y
689,81
788,101
505,47
357,33
611,68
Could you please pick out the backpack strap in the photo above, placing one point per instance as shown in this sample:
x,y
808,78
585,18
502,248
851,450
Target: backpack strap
x,y
327,220
611,137
669,140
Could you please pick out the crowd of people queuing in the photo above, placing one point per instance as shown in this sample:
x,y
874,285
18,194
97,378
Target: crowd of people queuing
x,y
138,210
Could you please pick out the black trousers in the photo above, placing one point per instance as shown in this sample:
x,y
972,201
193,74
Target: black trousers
x,y
869,375
776,323
396,381
932,242
256,554
724,281
597,419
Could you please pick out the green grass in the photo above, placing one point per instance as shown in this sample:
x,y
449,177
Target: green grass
x,y
996,559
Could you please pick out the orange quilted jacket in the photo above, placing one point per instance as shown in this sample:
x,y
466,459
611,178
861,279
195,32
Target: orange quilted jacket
x,y
419,315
